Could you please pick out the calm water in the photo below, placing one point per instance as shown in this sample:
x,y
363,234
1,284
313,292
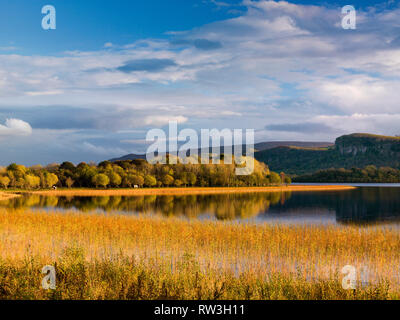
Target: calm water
x,y
366,204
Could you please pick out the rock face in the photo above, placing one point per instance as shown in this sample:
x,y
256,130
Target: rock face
x,y
355,150
362,143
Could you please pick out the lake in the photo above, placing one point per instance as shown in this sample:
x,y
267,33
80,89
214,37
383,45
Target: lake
x,y
364,205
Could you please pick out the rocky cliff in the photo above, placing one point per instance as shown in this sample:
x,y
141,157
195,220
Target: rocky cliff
x,y
354,150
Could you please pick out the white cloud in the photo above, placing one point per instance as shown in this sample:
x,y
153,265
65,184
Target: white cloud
x,y
163,120
43,93
15,127
380,123
103,151
360,93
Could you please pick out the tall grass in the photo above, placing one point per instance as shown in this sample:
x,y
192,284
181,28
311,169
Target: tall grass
x,y
121,257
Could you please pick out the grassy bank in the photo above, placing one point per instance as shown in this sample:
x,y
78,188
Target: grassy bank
x,y
122,257
183,191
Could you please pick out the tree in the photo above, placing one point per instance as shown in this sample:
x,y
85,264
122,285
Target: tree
x,y
50,179
105,164
32,182
12,177
69,182
115,179
85,175
274,178
134,179
178,183
12,167
17,170
4,181
287,180
20,183
67,166
150,181
101,180
282,174
168,180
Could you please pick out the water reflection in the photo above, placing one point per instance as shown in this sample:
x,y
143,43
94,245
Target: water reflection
x,y
359,206
221,207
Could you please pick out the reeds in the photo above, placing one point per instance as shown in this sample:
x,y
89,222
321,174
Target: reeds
x,y
122,257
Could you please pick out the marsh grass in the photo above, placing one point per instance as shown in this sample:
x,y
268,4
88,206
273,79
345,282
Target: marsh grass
x,y
122,257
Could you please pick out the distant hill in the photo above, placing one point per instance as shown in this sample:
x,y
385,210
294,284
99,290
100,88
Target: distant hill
x,y
130,156
354,150
348,151
258,147
274,144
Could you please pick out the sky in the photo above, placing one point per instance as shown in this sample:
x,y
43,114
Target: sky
x,y
92,88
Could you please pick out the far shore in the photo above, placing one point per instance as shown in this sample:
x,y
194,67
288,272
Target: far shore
x,y
180,191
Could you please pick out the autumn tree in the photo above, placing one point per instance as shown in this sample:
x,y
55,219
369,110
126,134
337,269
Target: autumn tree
x,y
4,182
115,179
274,178
167,180
50,179
101,180
31,181
150,181
288,180
69,182
134,179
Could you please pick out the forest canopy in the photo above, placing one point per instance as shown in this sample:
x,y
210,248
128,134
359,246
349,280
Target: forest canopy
x,y
135,173
369,174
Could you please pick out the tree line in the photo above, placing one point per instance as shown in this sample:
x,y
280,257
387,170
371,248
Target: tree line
x,y
135,173
368,174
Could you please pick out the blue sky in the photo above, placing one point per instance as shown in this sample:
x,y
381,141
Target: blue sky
x,y
112,70
87,25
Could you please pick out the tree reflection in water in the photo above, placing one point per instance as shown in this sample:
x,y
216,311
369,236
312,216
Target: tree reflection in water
x,y
220,206
358,206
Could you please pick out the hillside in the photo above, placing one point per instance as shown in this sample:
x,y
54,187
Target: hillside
x,y
354,150
130,156
348,151
258,147
302,144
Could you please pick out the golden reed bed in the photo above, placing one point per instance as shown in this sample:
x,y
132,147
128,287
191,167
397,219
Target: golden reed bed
x,y
129,257
182,191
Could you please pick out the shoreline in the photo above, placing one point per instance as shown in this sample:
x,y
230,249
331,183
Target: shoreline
x,y
184,191
6,196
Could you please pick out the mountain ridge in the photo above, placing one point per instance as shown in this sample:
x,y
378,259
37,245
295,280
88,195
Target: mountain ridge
x,y
258,147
